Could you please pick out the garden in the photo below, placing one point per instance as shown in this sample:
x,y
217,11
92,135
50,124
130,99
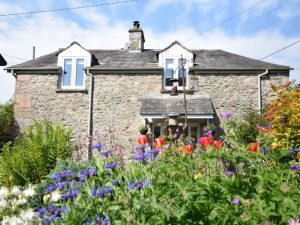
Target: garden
x,y
251,175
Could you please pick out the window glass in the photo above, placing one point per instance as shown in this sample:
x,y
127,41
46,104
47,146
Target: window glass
x,y
180,83
79,72
169,71
67,72
156,132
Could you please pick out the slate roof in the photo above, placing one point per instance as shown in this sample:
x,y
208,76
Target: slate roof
x,y
124,59
2,61
165,104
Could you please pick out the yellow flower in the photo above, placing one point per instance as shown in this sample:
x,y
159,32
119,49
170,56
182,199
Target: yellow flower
x,y
198,175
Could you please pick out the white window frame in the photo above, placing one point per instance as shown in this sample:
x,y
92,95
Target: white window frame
x,y
73,72
176,68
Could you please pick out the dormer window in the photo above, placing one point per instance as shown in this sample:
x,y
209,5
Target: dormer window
x,y
173,69
73,73
72,61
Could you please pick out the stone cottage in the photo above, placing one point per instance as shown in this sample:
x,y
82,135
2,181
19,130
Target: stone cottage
x,y
88,89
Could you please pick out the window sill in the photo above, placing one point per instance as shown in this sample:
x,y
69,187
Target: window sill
x,y
168,91
61,90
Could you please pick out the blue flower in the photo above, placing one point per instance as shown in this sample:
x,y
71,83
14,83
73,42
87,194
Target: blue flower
x,y
56,176
147,183
139,148
41,212
98,146
228,172
105,152
93,192
111,166
116,183
140,157
50,188
264,150
60,185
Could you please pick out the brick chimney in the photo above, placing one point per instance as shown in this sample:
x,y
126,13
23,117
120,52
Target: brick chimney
x,y
136,38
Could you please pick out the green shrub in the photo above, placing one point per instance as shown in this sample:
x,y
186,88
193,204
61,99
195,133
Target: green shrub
x,y
6,118
34,154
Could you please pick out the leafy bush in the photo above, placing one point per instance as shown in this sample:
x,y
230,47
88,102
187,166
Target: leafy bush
x,y
6,118
34,154
206,187
284,116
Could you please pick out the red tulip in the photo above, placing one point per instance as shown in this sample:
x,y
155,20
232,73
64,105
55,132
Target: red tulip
x,y
155,145
206,141
254,147
188,149
160,141
142,140
217,144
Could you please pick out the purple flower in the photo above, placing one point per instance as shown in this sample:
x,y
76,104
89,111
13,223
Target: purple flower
x,y
105,152
226,115
98,146
56,176
41,212
111,166
208,133
236,201
228,172
294,167
140,157
116,183
93,192
139,148
51,188
268,125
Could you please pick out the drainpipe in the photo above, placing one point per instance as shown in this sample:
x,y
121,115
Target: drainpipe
x,y
259,90
90,119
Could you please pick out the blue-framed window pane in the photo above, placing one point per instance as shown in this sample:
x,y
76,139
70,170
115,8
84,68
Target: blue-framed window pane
x,y
180,83
168,73
79,72
66,79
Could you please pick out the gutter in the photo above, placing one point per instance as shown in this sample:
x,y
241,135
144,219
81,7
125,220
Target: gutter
x,y
259,90
90,118
45,70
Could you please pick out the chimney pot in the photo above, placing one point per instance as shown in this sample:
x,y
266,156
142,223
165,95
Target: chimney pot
x,y
136,24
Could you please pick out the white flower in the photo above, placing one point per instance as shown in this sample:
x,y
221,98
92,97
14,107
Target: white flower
x,y
28,215
12,221
3,192
21,201
3,204
55,196
29,192
15,191
294,222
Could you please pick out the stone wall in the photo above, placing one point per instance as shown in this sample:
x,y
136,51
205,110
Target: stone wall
x,y
115,102
235,91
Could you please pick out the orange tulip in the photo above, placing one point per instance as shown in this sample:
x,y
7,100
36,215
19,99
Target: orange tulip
x,y
217,144
160,141
254,147
142,140
188,149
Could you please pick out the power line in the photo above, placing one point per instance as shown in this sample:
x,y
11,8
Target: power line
x,y
14,57
64,9
273,53
226,20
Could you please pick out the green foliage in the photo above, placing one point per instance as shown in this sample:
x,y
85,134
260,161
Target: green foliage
x,y
6,118
284,116
244,130
34,154
193,189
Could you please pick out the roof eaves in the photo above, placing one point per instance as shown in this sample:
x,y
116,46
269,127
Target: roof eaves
x,y
126,70
227,70
34,70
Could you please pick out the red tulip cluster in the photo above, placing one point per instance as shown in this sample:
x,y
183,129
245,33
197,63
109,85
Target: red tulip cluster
x,y
209,141
188,149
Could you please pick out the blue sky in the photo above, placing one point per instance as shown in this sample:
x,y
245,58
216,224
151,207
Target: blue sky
x,y
271,25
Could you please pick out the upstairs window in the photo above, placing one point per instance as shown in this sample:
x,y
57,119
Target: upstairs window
x,y
173,69
73,73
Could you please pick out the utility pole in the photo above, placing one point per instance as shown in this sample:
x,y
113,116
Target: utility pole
x,y
184,96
